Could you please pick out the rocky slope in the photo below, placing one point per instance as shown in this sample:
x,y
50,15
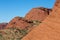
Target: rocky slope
x,y
38,14
18,22
3,25
49,29
18,27
21,23
39,24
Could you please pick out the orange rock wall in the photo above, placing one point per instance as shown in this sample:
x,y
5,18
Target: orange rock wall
x,y
49,29
38,14
18,22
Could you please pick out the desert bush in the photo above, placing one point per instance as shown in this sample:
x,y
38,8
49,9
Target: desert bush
x,y
12,34
16,33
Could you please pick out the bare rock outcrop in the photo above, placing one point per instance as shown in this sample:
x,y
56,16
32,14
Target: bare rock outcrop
x,y
18,22
3,25
49,29
38,14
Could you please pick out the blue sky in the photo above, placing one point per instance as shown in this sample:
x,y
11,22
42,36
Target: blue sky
x,y
11,8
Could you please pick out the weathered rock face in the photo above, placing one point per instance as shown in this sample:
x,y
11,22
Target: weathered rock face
x,y
49,29
38,14
3,25
18,22
17,29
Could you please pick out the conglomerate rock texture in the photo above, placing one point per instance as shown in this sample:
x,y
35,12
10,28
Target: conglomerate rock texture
x,y
49,29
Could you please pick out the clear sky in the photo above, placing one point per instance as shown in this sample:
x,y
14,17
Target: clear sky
x,y
11,8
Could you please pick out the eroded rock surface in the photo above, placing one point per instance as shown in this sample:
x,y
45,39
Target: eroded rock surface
x,y
38,14
18,22
21,23
49,29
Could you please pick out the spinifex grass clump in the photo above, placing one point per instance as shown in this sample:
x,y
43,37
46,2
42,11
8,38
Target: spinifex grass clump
x,y
12,34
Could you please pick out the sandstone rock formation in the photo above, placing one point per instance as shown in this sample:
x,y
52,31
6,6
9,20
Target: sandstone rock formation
x,y
49,29
3,25
18,22
38,14
17,29
22,23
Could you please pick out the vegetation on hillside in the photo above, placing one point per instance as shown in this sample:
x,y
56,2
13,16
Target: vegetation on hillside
x,y
15,33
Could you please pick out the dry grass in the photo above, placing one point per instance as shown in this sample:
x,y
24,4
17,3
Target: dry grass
x,y
15,33
12,34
